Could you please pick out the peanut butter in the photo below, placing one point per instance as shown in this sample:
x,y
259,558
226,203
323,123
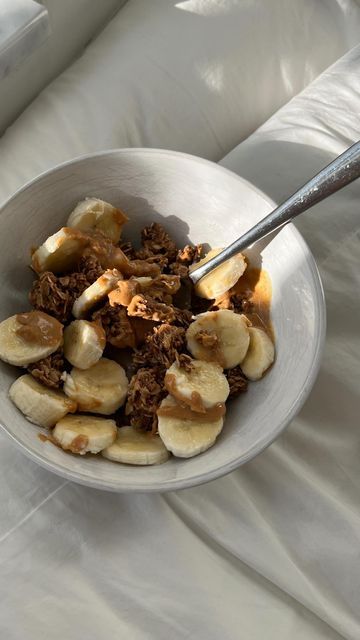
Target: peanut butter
x,y
212,349
79,443
183,412
194,402
39,327
124,293
256,284
111,256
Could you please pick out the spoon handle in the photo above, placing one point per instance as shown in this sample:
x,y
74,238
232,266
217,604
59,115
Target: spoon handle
x,y
336,175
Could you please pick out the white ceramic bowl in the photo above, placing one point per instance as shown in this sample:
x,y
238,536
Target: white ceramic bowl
x,y
197,201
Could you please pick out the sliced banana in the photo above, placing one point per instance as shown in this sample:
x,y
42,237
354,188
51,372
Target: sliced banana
x,y
97,291
60,252
29,337
84,434
202,385
100,389
40,405
219,336
186,438
220,280
136,447
84,343
260,355
96,214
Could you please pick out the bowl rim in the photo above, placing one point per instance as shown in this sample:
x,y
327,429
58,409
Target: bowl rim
x,y
259,447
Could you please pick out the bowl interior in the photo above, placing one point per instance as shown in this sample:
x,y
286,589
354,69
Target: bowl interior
x,y
196,201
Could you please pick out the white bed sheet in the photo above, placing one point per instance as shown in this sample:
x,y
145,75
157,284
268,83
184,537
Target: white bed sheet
x,y
312,506
190,75
270,551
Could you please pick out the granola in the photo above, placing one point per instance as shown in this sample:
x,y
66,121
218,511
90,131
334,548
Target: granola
x,y
146,307
56,296
238,383
157,241
49,370
116,325
161,347
146,390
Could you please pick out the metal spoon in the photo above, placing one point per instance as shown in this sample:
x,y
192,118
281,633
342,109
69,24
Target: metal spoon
x,y
336,175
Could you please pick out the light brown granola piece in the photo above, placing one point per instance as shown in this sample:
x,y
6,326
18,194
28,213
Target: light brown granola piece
x,y
162,347
146,390
146,307
116,325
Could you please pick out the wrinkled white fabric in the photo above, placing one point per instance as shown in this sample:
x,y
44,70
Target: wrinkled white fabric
x,y
190,75
311,475
270,551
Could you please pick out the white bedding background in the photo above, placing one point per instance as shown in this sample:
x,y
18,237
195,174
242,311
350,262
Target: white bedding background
x,y
272,550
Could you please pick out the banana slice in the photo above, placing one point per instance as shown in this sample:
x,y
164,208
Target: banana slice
x,y
96,214
136,447
84,343
40,405
29,337
97,291
100,389
260,355
201,385
219,336
60,252
84,434
186,438
220,280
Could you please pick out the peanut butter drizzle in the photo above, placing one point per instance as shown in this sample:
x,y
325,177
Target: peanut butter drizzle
x,y
78,444
110,256
256,285
124,293
39,327
45,438
183,412
195,401
213,353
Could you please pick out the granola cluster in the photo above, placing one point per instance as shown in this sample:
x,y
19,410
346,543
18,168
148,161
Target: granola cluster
x,y
238,383
145,393
56,295
49,371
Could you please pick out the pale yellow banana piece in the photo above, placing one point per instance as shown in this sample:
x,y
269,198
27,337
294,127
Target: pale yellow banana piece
x,y
84,343
40,405
60,252
219,336
216,283
260,355
84,434
201,387
136,447
97,291
100,389
98,215
29,337
186,438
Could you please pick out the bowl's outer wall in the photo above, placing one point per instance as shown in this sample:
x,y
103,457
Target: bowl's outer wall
x,y
197,201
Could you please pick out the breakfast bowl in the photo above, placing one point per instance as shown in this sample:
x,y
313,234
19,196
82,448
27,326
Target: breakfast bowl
x,y
196,201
